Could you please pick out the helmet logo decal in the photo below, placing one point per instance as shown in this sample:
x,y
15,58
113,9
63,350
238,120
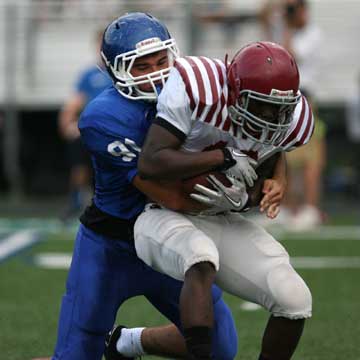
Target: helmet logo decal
x,y
148,42
281,93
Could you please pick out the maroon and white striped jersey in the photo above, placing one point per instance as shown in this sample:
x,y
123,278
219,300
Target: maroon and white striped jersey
x,y
194,100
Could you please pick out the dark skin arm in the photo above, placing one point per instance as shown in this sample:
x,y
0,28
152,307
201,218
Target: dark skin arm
x,y
161,157
169,194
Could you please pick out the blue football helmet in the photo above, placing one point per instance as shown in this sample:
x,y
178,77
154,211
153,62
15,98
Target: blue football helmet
x,y
128,38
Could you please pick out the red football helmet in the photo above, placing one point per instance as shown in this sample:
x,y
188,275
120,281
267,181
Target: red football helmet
x,y
263,83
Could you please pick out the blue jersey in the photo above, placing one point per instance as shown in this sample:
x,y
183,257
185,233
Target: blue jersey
x,y
92,82
113,130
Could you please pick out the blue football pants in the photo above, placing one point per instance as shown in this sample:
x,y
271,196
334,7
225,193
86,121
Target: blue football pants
x,y
106,272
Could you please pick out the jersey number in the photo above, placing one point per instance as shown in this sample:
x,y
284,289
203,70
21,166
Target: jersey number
x,y
127,150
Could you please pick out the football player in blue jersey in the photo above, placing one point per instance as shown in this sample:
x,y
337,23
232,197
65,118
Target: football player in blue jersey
x,y
105,270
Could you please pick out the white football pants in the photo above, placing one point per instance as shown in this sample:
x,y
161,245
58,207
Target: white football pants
x,y
250,263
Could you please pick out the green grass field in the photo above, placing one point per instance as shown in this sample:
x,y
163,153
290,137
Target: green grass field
x,y
30,299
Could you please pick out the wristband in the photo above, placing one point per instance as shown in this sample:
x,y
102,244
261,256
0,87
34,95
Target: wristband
x,y
229,161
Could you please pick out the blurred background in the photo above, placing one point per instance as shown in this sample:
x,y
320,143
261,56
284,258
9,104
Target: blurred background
x,y
44,46
46,51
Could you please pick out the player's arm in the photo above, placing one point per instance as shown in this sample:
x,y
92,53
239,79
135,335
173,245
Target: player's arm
x,y
170,194
162,158
120,153
68,117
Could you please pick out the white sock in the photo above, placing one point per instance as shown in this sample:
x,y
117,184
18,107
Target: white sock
x,y
129,343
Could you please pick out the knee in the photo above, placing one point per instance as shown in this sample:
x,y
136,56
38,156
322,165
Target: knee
x,y
224,336
79,343
202,273
291,296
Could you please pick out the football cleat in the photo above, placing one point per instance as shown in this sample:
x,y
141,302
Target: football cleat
x,y
111,339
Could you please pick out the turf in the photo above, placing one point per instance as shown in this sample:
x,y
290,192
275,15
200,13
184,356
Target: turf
x,y
30,299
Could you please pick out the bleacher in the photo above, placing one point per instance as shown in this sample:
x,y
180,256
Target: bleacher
x,y
49,42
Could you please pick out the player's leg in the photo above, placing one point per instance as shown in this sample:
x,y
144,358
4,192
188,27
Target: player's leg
x,y
103,274
170,243
281,337
161,340
98,282
224,344
196,309
255,267
164,292
168,341
164,341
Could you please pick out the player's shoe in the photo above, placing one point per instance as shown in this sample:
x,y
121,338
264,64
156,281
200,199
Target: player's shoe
x,y
307,218
112,337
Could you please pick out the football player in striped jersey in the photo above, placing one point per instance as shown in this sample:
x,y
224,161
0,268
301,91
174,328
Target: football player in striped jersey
x,y
245,111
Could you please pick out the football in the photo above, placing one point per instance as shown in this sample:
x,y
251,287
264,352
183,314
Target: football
x,y
189,184
264,171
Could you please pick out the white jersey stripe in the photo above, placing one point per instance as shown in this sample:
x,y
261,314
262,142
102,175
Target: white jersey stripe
x,y
204,113
210,92
221,66
304,124
208,84
216,113
310,132
215,77
193,84
300,135
224,113
205,79
297,125
201,87
310,127
215,74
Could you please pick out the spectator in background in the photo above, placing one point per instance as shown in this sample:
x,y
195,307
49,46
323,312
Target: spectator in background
x,y
288,22
3,180
91,82
353,128
353,115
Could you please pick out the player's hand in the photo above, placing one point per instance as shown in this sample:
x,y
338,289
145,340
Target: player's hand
x,y
273,211
222,198
274,191
70,131
244,167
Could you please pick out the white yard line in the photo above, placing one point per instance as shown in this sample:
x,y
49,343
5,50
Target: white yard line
x,y
16,242
63,260
53,260
249,306
51,225
328,262
320,233
54,226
